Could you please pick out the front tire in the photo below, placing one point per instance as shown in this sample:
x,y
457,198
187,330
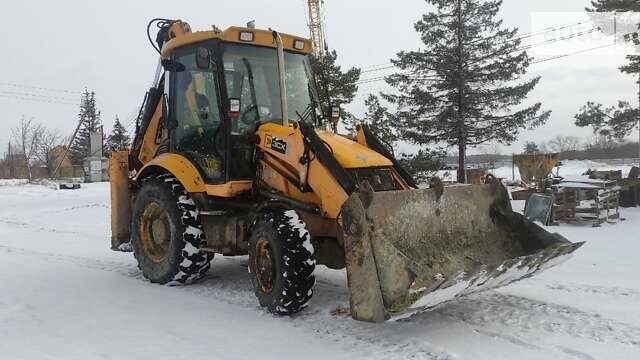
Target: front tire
x,y
167,234
281,262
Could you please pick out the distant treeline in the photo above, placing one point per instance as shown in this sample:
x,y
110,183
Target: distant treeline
x,y
614,150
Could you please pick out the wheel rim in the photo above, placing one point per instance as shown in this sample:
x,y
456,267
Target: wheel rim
x,y
155,231
264,265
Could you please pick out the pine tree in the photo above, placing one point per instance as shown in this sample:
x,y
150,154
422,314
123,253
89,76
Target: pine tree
x,y
119,139
423,164
531,148
379,120
335,87
614,122
89,118
462,88
614,5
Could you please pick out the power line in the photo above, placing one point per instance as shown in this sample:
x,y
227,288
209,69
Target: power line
x,y
367,81
26,94
572,53
388,65
536,33
532,46
131,120
378,69
35,99
364,69
39,88
379,78
528,47
562,38
370,80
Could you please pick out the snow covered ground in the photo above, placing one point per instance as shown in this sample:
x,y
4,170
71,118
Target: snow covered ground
x,y
65,295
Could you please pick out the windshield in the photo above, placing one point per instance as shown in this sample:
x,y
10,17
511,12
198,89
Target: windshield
x,y
251,75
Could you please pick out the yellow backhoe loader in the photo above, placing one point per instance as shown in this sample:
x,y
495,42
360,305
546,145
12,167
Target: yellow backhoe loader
x,y
234,155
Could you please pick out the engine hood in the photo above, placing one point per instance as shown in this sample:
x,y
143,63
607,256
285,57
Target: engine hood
x,y
352,155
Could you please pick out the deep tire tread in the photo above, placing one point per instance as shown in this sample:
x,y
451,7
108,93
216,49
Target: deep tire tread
x,y
192,264
296,262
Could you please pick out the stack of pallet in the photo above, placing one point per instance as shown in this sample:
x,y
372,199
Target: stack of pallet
x,y
630,193
597,200
564,205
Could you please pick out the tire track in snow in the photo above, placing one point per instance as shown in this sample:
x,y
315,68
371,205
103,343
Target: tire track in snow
x,y
598,290
510,339
529,315
122,268
229,283
77,207
25,225
575,353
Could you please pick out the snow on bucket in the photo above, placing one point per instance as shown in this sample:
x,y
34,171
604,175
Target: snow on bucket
x,y
410,250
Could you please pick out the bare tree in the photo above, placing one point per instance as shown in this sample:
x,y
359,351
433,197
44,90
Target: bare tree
x,y
563,144
490,155
27,137
49,150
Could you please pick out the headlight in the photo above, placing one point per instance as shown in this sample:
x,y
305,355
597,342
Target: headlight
x,y
246,36
298,45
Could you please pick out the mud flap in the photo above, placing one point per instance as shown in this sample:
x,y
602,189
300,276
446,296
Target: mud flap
x,y
411,250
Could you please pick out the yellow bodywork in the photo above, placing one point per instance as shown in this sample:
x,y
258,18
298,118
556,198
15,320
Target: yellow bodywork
x,y
284,172
120,198
181,168
153,136
232,34
352,155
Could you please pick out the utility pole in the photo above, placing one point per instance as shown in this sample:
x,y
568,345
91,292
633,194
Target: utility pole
x,y
66,151
10,161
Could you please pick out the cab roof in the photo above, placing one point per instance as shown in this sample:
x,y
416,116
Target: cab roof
x,y
233,35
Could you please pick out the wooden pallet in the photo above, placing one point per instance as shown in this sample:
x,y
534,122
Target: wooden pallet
x,y
602,200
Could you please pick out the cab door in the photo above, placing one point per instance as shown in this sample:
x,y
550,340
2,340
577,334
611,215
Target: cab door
x,y
198,127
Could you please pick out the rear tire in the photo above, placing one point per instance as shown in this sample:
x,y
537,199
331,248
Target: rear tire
x,y
281,262
166,233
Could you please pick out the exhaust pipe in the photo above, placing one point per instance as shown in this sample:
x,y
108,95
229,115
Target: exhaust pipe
x,y
281,74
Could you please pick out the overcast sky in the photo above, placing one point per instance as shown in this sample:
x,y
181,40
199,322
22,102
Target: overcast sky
x,y
102,45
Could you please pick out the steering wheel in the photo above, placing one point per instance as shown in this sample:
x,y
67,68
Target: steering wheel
x,y
206,142
243,117
261,111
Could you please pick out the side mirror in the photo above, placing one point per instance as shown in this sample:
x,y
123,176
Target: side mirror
x,y
172,65
203,58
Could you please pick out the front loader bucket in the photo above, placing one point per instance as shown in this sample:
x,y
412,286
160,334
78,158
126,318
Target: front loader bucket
x,y
411,250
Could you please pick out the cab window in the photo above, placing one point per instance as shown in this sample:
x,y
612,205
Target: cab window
x,y
251,75
198,132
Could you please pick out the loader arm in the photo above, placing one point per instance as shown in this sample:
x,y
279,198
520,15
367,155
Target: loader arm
x,y
318,166
288,166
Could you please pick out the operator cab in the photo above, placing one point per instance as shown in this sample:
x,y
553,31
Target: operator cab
x,y
220,91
